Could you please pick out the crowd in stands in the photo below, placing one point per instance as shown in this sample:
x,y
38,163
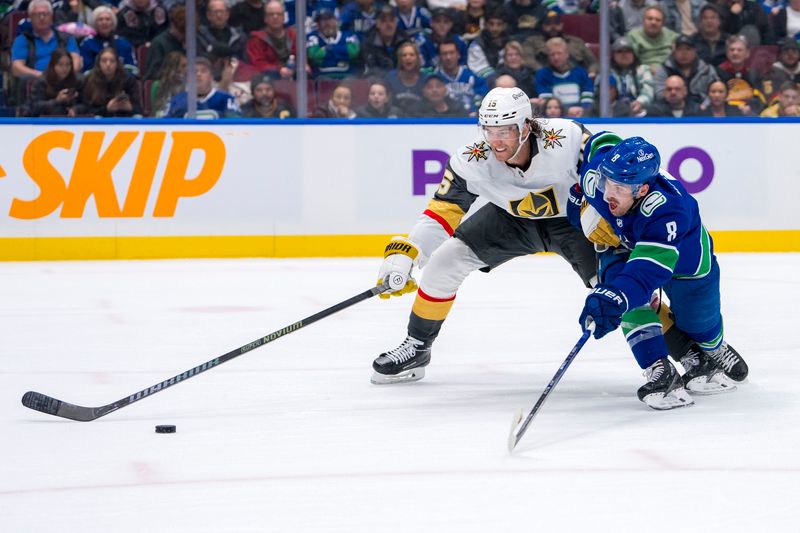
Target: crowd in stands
x,y
405,58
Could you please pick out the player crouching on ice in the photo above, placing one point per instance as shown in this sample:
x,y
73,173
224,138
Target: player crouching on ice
x,y
663,244
523,167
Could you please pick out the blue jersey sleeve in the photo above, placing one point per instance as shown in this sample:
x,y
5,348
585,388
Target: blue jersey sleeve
x,y
659,228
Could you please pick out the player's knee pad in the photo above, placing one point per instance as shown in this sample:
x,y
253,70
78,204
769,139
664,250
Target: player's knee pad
x,y
447,268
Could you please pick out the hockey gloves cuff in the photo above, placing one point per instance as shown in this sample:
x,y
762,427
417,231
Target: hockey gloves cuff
x,y
605,305
398,260
586,218
596,228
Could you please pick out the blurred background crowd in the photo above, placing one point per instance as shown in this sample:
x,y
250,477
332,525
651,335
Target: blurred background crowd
x,y
405,58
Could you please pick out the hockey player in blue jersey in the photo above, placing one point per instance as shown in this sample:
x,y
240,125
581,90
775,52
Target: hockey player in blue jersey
x,y
662,244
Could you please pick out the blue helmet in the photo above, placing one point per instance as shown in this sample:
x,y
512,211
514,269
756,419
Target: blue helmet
x,y
633,162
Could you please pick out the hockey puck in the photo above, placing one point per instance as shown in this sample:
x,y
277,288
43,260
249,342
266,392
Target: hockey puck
x,y
166,429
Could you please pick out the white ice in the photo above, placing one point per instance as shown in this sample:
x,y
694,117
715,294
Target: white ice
x,y
293,437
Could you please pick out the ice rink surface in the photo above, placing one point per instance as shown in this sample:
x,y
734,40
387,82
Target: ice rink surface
x,y
293,437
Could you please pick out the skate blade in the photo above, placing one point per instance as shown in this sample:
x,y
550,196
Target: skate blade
x,y
719,384
672,400
407,376
512,436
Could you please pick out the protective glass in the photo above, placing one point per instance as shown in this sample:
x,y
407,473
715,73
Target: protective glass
x,y
500,133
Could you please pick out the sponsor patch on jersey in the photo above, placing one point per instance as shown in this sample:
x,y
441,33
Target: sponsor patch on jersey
x,y
651,202
477,151
552,138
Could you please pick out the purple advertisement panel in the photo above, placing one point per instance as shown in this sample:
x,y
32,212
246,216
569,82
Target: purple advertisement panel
x,y
428,166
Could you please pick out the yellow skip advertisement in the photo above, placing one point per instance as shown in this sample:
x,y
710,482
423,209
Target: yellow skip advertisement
x,y
111,190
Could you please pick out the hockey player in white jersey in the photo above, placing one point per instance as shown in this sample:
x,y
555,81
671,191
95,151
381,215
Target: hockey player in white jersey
x,y
524,168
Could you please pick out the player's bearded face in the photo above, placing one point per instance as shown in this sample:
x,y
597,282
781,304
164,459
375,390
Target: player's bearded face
x,y
504,140
618,196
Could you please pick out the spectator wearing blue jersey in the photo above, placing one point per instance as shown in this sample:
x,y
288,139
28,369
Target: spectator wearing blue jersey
x,y
211,103
104,22
442,22
379,47
313,7
463,85
407,80
33,46
570,84
486,51
663,244
412,18
332,53
359,16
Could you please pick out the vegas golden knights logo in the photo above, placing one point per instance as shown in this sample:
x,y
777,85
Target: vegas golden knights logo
x,y
536,204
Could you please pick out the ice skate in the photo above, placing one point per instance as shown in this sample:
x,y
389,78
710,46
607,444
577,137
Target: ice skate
x,y
703,375
664,388
730,361
404,364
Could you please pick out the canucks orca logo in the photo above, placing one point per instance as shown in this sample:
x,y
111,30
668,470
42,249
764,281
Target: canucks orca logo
x,y
477,151
590,180
536,204
552,138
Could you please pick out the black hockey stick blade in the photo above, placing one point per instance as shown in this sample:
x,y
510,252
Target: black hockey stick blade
x,y
52,406
518,426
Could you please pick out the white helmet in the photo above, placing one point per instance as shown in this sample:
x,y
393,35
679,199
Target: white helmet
x,y
503,106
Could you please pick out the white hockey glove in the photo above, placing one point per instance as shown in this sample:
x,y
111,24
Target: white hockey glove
x,y
398,260
596,228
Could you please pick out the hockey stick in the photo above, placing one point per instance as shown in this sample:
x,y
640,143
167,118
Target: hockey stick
x,y
51,406
517,430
